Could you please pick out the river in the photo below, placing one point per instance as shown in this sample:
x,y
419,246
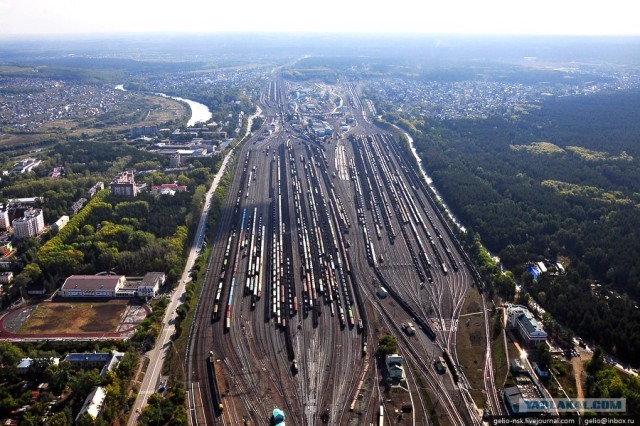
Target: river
x,y
200,113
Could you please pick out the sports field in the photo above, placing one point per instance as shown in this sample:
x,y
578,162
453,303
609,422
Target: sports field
x,y
75,317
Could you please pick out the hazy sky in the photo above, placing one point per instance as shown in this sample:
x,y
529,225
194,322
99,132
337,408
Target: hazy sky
x,y
573,17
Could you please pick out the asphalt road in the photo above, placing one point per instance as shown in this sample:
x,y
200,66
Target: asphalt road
x,y
158,354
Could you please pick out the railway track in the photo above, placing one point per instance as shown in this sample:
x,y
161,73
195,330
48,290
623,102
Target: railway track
x,y
308,234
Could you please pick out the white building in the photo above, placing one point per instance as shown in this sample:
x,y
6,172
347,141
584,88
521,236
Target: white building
x,y
30,225
4,218
92,285
112,286
93,404
519,318
60,223
151,284
26,165
6,277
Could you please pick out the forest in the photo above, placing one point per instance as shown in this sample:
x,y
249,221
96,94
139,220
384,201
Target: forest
x,y
560,182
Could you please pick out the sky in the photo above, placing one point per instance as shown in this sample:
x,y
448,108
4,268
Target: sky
x,y
500,17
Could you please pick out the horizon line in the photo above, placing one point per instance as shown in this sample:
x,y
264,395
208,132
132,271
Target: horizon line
x,y
79,35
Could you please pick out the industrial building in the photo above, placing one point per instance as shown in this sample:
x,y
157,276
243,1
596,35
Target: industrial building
x,y
111,286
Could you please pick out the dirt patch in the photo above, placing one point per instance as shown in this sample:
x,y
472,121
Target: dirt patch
x,y
472,306
75,317
470,344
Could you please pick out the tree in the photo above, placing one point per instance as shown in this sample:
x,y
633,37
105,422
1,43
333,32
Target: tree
x,y
544,356
58,376
58,419
387,345
597,362
10,356
84,382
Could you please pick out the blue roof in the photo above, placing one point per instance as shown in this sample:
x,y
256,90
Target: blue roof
x,y
91,356
533,271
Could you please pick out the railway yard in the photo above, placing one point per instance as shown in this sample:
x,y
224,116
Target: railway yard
x,y
293,308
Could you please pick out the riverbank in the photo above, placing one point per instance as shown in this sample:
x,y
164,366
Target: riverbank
x,y
200,113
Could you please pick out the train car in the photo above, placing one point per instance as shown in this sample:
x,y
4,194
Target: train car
x,y
217,397
215,315
452,367
351,318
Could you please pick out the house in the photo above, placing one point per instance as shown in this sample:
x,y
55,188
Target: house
x,y
26,165
168,189
27,365
520,319
394,367
6,247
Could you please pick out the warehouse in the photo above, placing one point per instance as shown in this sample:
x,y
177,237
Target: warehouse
x,y
112,286
92,285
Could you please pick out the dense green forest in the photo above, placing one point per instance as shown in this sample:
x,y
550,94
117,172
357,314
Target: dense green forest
x,y
560,182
